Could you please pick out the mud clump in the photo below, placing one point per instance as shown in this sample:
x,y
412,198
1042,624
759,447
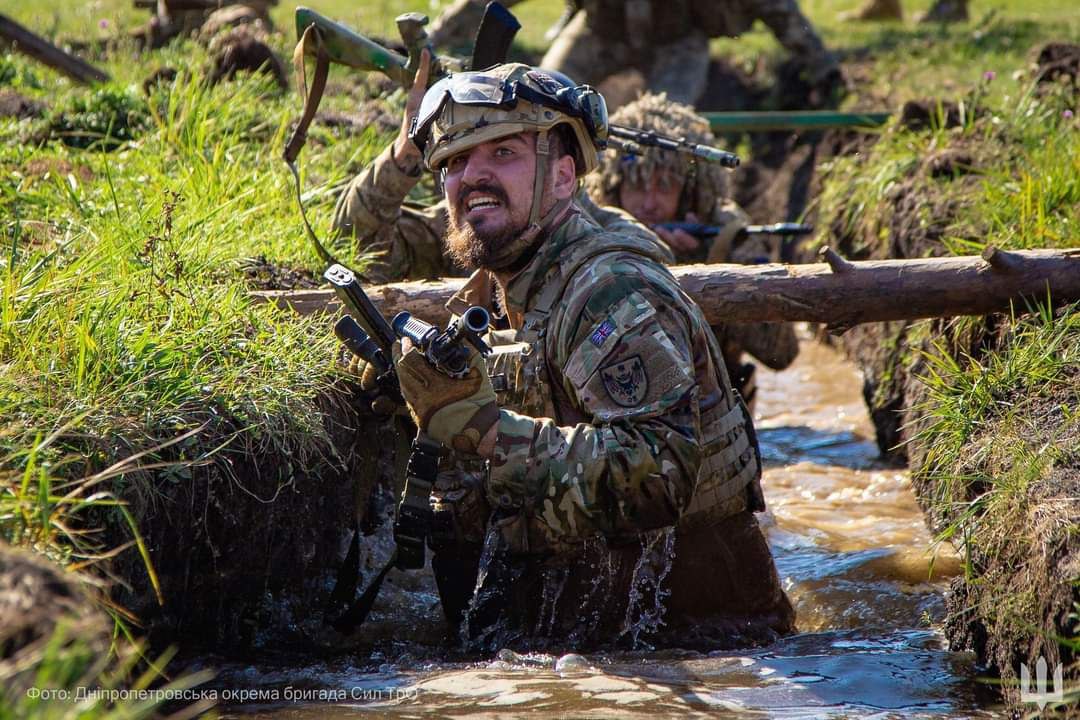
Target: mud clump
x,y
16,105
159,78
1058,63
262,274
950,164
238,51
254,20
41,605
918,115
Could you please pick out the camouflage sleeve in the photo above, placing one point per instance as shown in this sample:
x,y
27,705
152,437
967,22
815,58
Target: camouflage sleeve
x,y
774,344
406,242
623,355
794,31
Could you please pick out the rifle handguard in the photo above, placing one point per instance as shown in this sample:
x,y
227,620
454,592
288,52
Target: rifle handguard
x,y
444,350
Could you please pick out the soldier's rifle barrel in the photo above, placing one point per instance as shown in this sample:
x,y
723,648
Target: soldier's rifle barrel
x,y
647,138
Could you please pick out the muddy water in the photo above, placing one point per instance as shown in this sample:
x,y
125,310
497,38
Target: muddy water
x,y
849,542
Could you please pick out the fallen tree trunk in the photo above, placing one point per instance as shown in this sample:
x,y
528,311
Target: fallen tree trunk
x,y
45,52
837,293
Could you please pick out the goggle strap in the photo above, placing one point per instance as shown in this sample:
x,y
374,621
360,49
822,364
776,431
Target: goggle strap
x,y
543,149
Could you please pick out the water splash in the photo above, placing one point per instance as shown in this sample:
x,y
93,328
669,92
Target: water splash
x,y
645,610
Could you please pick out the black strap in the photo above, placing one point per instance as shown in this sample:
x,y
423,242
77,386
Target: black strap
x,y
494,36
411,529
413,523
299,136
358,611
349,575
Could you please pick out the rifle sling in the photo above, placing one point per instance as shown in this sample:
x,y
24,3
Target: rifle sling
x,y
411,528
311,104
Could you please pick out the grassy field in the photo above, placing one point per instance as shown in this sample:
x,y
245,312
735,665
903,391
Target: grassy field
x,y
125,324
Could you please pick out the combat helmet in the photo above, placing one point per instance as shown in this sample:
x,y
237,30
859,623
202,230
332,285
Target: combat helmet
x,y
704,183
467,109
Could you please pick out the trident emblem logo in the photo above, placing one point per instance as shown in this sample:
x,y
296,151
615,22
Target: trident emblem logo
x,y
1040,696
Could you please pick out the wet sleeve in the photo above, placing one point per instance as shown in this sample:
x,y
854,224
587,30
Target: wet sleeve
x,y
633,465
404,242
774,344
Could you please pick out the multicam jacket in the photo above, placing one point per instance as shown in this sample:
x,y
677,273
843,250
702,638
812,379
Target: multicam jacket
x,y
617,415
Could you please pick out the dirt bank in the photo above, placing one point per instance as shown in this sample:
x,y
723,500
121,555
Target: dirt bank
x,y
984,409
248,546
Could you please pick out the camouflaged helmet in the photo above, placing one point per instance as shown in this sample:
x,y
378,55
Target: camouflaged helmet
x,y
705,184
467,109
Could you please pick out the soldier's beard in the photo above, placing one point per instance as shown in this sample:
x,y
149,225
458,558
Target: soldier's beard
x,y
472,249
492,249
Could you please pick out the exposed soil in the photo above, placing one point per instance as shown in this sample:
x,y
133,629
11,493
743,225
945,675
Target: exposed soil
x,y
35,598
247,548
16,105
1026,568
239,51
1058,63
262,274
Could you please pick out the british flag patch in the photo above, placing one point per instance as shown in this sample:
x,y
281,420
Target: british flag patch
x,y
601,333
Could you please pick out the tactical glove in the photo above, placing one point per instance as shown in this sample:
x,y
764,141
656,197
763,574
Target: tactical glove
x,y
380,403
457,412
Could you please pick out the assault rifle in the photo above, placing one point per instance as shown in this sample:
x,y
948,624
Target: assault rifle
x,y
370,337
703,231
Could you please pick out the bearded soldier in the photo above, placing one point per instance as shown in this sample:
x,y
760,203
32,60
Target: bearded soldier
x,y
667,187
405,240
605,474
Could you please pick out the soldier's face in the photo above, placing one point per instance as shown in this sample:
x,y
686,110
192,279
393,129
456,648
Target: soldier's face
x,y
489,187
489,191
654,201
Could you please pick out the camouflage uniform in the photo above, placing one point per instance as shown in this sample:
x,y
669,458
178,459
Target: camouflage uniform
x,y
617,420
625,472
668,40
705,193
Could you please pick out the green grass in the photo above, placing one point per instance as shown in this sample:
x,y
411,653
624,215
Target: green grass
x,y
125,221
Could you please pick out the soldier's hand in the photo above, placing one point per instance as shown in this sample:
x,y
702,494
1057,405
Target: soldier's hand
x,y
369,383
406,154
457,412
680,241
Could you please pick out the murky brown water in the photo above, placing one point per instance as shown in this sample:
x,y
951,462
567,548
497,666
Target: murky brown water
x,y
849,542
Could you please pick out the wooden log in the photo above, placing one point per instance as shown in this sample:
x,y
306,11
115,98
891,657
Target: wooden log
x,y
840,295
45,52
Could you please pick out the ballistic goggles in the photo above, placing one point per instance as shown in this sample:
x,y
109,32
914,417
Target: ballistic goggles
x,y
482,89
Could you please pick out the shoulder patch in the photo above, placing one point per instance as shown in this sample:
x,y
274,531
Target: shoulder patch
x,y
602,332
626,381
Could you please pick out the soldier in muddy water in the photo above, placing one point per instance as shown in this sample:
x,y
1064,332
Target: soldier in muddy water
x,y
603,476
